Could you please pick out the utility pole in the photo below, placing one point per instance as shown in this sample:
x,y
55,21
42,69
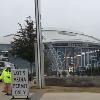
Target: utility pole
x,y
39,43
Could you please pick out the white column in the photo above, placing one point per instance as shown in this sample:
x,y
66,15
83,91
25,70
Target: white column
x,y
66,63
81,59
84,59
88,58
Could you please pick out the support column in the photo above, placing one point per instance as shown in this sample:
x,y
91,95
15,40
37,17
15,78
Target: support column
x,y
66,63
88,58
84,59
81,59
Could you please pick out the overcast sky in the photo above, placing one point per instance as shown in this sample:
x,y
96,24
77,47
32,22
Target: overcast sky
x,y
78,15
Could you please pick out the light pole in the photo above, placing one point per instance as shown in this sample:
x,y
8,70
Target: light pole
x,y
39,44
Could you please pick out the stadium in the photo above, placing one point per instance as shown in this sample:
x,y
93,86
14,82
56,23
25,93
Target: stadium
x,y
66,50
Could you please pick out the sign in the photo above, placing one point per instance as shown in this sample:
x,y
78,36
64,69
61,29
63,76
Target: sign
x,y
20,82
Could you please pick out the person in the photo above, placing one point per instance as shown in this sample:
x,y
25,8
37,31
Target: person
x,y
2,79
7,79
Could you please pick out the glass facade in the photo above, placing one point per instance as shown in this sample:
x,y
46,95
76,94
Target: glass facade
x,y
76,55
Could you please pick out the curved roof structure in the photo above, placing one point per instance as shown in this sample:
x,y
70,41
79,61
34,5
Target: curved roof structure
x,y
57,36
6,39
65,36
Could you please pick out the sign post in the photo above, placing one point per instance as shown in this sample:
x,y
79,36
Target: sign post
x,y
20,88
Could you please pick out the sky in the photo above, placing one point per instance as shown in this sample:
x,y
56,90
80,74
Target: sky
x,y
77,15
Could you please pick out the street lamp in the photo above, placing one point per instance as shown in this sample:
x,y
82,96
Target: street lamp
x,y
39,44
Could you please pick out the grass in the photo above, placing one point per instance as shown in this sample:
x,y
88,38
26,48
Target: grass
x,y
48,89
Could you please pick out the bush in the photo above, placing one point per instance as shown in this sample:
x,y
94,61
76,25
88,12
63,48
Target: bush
x,y
64,73
73,81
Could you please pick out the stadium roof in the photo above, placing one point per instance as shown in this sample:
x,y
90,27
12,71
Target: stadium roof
x,y
6,39
57,36
66,36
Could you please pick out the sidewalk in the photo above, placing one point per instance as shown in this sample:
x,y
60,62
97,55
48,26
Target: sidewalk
x,y
66,96
58,96
40,95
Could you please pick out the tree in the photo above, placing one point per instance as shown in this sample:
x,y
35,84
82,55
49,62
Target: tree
x,y
23,44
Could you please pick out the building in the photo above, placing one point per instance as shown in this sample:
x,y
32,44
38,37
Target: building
x,y
67,48
64,49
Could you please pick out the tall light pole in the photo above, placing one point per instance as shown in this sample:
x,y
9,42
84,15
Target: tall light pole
x,y
39,40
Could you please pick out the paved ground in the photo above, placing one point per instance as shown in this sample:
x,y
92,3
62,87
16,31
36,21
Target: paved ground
x,y
59,96
67,96
55,96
